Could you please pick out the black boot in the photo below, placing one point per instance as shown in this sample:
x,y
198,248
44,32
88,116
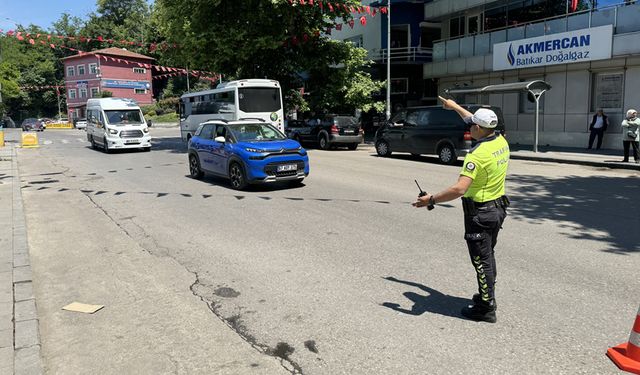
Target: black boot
x,y
481,312
476,300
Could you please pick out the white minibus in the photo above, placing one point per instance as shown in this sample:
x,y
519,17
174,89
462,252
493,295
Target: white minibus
x,y
235,100
116,123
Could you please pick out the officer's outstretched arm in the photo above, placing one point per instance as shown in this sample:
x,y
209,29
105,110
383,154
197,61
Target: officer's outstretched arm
x,y
454,191
451,104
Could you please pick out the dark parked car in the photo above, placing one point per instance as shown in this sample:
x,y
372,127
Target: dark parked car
x,y
32,124
332,130
7,122
429,130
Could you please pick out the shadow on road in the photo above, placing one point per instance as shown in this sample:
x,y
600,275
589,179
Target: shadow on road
x,y
596,208
434,302
171,144
420,158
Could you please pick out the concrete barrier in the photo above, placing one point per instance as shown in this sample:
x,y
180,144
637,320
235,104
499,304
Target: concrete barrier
x,y
29,140
60,126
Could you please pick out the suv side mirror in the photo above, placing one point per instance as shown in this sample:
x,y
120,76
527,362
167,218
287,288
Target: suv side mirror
x,y
220,139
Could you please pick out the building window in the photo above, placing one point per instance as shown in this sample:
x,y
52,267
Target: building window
x,y
356,41
399,85
93,68
140,91
72,93
81,70
83,92
95,92
456,27
607,91
71,71
139,70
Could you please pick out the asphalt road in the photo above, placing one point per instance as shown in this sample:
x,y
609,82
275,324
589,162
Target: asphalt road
x,y
340,276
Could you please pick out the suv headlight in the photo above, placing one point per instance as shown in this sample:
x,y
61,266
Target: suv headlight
x,y
113,131
146,130
257,151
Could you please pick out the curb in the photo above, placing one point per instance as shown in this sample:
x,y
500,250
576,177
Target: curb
x,y
590,163
555,159
26,337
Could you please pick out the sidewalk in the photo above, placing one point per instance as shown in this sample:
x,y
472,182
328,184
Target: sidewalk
x,y
19,336
566,155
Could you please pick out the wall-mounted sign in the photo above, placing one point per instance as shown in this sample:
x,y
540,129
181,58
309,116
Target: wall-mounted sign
x,y
563,48
121,84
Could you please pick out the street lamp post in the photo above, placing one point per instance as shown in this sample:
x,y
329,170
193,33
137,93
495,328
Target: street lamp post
x,y
388,60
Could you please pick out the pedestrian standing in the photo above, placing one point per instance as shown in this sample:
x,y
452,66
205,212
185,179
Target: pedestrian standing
x,y
630,136
481,183
598,126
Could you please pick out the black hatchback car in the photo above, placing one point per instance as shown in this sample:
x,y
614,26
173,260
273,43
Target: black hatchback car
x,y
331,130
429,130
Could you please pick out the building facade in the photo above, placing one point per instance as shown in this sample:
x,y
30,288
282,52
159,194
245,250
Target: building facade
x,y
462,43
411,46
589,54
123,73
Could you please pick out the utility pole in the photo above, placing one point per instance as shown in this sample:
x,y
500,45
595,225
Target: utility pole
x,y
188,89
388,60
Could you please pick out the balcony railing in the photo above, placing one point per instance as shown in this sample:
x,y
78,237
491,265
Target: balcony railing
x,y
482,44
402,54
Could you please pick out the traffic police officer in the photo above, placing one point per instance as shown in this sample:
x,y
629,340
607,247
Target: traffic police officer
x,y
481,184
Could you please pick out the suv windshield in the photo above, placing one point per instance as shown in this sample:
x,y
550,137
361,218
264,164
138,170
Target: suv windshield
x,y
124,117
255,133
259,99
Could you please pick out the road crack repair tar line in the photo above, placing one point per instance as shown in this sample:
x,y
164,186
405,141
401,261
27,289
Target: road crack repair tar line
x,y
281,352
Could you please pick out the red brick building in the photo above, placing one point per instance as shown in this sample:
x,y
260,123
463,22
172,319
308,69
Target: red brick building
x,y
124,73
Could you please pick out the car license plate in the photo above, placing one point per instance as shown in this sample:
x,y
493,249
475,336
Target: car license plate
x,y
287,167
127,141
348,131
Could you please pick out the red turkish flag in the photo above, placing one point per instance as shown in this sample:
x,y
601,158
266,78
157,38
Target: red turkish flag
x,y
311,2
19,36
351,23
31,41
302,2
330,7
383,10
339,27
100,39
363,21
321,5
52,46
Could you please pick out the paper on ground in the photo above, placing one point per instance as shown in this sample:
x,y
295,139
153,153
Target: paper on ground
x,y
82,307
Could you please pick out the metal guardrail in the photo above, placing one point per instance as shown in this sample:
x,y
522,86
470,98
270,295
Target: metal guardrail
x,y
402,54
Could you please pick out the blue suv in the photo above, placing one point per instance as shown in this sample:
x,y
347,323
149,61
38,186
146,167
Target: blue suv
x,y
246,152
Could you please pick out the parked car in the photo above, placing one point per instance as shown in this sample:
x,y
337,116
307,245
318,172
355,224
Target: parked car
x,y
32,124
331,130
429,130
246,152
7,122
80,123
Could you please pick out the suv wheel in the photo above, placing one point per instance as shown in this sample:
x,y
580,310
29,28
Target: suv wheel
x,y
194,167
237,177
382,148
447,154
323,141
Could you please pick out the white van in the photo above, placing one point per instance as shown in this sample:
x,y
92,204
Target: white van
x,y
116,123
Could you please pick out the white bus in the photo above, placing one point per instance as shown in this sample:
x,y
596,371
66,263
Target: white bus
x,y
235,100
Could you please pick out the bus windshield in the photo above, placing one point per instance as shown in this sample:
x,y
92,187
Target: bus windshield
x,y
259,99
255,133
124,117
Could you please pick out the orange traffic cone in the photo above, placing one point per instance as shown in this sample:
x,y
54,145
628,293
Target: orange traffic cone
x,y
627,356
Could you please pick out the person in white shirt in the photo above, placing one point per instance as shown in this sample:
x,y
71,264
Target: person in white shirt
x,y
598,126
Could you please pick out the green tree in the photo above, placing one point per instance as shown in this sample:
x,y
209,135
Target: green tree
x,y
273,39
